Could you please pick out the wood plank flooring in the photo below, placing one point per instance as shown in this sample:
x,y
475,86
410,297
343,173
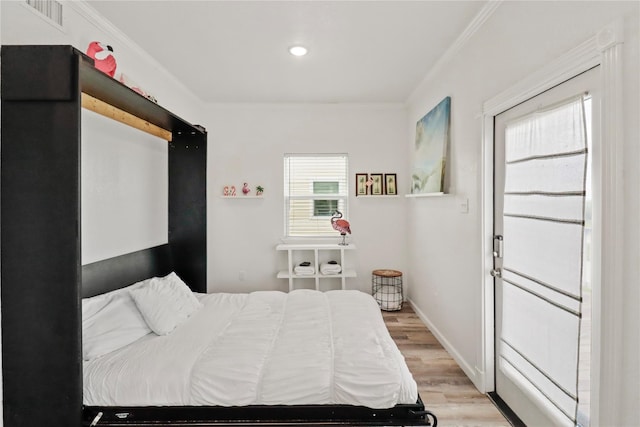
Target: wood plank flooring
x,y
443,386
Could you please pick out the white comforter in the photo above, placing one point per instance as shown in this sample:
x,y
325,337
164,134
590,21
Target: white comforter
x,y
304,347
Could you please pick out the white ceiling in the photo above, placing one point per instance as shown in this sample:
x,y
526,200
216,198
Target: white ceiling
x,y
237,51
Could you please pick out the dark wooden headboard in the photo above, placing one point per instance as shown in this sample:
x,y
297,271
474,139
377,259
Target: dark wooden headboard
x,y
115,273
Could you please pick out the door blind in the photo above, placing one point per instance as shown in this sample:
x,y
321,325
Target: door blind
x,y
544,201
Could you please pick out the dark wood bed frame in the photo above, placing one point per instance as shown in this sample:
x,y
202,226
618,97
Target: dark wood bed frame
x,y
42,278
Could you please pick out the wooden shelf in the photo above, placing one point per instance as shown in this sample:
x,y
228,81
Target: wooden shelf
x,y
242,197
28,64
99,85
425,195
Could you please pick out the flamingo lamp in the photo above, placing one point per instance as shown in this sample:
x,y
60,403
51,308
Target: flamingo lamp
x,y
340,225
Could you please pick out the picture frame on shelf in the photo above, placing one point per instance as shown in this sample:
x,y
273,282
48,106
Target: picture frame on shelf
x,y
433,133
362,189
390,186
377,186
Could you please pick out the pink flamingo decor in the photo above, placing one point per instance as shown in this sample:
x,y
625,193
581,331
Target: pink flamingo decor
x,y
245,189
102,55
340,225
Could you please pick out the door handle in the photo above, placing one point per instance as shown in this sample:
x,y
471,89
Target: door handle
x,y
497,246
496,272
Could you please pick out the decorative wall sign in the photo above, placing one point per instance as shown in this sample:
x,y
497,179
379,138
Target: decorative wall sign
x,y
432,139
245,190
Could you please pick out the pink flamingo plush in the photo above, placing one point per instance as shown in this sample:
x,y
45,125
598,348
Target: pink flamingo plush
x,y
102,55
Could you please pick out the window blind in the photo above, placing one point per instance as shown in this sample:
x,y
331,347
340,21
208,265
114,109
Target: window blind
x,y
314,185
544,201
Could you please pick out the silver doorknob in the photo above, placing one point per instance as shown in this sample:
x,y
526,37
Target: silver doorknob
x,y
496,272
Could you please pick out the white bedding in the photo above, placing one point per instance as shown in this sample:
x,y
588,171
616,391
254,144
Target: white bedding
x,y
302,347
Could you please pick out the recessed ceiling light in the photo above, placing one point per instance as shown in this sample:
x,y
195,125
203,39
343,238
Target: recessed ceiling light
x,y
298,50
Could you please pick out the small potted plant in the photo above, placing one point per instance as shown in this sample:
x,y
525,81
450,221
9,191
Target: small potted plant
x,y
259,190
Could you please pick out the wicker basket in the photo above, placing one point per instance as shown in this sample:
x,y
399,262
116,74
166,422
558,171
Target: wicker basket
x,y
386,288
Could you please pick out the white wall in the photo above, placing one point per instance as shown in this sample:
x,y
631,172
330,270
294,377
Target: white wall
x,y
124,189
444,245
247,143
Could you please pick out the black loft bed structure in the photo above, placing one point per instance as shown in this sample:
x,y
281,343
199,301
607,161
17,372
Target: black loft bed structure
x,y
42,279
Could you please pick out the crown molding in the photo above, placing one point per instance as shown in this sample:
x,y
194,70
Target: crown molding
x,y
381,106
476,23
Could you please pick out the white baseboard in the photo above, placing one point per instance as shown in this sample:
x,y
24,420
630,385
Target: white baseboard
x,y
475,375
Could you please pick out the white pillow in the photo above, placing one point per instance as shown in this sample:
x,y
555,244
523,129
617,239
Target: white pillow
x,y
165,303
93,304
110,322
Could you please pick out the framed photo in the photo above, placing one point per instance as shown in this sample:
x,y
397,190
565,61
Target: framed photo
x,y
377,184
362,189
390,184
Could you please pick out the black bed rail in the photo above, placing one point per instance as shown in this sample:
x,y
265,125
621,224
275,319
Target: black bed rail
x,y
276,415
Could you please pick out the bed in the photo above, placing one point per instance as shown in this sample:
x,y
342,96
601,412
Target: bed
x,y
304,357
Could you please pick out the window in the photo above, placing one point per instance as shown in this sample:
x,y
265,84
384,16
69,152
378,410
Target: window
x,y
315,186
325,207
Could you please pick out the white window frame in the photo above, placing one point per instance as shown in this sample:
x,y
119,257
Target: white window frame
x,y
342,196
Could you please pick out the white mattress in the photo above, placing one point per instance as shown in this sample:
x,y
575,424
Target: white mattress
x,y
302,347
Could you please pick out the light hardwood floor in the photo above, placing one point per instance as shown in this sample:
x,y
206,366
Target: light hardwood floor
x,y
445,389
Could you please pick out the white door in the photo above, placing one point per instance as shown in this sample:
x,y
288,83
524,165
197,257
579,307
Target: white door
x,y
542,217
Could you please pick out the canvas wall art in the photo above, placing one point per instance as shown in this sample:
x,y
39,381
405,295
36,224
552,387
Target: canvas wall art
x,y
432,139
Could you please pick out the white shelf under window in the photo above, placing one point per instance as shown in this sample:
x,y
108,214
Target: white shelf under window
x,y
317,253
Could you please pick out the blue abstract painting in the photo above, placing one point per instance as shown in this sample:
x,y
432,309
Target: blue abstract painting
x,y
432,139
